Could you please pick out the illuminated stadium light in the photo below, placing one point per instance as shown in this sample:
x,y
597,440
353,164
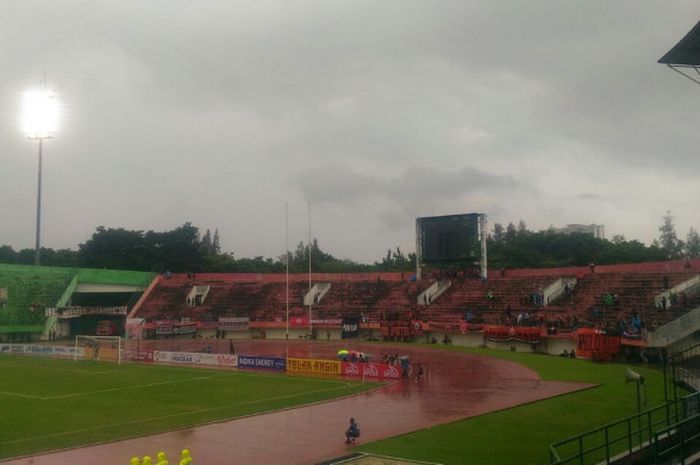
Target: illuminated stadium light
x,y
40,114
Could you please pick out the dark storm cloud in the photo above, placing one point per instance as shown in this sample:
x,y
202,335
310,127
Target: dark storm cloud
x,y
217,112
415,192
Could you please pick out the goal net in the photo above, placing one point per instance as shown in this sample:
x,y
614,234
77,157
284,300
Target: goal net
x,y
100,348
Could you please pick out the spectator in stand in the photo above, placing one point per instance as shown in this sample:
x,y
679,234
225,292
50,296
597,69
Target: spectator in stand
x,y
509,312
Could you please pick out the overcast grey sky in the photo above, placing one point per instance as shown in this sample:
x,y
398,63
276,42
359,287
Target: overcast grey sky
x,y
217,112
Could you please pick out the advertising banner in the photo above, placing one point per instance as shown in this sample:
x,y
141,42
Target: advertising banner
x,y
379,371
234,324
41,350
512,333
313,366
144,356
299,322
262,363
191,358
170,329
134,327
163,330
72,312
350,328
417,327
327,322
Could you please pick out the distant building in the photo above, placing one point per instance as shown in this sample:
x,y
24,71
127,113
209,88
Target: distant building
x,y
596,230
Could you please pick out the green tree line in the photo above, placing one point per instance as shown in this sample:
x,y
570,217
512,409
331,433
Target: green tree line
x,y
185,249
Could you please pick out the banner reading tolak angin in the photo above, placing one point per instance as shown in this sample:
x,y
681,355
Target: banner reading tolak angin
x,y
313,366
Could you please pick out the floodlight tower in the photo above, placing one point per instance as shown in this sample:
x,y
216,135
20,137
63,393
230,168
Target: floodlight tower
x,y
684,57
39,121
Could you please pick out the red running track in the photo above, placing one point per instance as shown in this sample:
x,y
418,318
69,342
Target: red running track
x,y
456,385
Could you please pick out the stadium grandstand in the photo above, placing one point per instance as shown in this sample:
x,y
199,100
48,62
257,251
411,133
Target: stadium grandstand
x,y
39,302
598,311
627,312
605,311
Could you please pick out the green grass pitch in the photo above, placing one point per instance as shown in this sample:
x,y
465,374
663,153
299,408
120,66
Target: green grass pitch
x,y
522,435
50,404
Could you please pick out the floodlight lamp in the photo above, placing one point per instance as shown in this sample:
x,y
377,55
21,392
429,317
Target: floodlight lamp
x,y
40,114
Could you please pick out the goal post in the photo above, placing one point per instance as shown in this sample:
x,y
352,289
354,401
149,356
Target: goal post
x,y
99,348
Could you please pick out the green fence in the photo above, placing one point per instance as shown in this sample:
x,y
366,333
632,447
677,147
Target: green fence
x,y
625,436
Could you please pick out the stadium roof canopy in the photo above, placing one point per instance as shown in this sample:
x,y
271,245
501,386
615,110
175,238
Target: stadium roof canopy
x,y
684,57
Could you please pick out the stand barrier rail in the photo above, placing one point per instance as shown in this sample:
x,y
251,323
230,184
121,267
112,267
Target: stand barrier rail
x,y
623,437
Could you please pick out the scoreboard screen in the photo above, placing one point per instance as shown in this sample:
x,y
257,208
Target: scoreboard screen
x,y
450,238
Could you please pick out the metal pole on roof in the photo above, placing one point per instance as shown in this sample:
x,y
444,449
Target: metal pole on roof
x,y
311,301
37,247
286,260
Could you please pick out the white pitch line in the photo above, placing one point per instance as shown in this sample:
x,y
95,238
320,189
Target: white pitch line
x,y
16,394
127,388
100,391
172,415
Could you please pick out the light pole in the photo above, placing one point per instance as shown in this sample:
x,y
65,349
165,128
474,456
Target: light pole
x,y
40,118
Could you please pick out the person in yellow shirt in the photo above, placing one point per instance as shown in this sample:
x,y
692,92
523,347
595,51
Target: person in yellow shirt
x,y
185,457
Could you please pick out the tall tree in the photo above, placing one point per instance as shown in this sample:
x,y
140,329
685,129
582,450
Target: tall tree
x,y
522,227
499,233
692,244
511,232
668,240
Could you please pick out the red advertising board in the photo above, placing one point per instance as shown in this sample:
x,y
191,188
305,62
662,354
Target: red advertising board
x,y
379,371
595,344
512,333
143,356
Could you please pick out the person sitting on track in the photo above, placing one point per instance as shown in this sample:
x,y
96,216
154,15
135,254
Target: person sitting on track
x,y
353,432
146,460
